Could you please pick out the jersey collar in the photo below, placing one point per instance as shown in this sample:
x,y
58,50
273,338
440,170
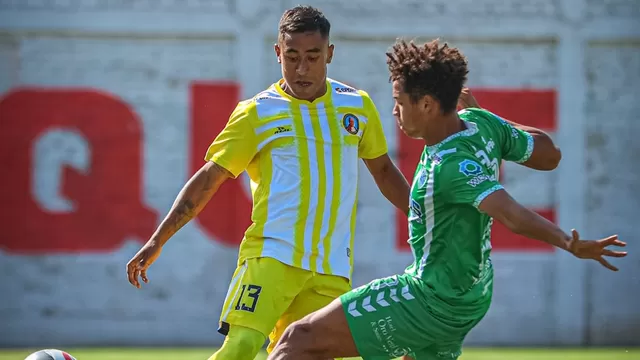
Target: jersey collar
x,y
322,98
471,129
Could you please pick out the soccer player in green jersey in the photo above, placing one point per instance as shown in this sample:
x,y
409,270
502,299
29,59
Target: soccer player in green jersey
x,y
426,312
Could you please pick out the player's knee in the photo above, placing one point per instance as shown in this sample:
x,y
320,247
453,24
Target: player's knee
x,y
298,335
302,336
241,343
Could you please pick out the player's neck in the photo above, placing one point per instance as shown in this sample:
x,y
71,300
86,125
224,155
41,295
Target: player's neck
x,y
447,125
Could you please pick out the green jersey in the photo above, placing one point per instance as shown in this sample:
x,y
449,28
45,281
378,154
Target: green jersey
x,y
449,236
428,311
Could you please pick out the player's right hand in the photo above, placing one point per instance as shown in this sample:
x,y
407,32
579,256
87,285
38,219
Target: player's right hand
x,y
138,265
596,249
466,100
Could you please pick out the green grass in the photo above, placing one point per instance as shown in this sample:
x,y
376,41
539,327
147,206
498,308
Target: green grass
x,y
469,354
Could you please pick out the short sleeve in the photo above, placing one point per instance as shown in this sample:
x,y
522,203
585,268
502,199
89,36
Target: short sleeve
x,y
463,180
517,145
236,145
373,142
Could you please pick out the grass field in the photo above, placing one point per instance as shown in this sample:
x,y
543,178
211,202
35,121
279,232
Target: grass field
x,y
469,354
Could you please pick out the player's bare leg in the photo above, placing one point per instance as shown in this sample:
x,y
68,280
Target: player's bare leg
x,y
321,335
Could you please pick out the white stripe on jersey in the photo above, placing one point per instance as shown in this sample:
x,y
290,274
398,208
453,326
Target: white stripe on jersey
x,y
429,217
328,164
313,182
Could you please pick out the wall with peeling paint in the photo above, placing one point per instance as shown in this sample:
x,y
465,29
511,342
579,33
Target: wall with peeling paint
x,y
105,100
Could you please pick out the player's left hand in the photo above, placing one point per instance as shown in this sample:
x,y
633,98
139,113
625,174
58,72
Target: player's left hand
x,y
596,249
466,100
138,265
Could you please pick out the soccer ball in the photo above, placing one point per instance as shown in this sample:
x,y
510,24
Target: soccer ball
x,y
50,354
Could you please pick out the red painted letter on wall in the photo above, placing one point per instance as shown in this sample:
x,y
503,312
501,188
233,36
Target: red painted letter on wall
x,y
71,162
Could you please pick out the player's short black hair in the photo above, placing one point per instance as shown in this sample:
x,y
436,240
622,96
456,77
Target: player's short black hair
x,y
433,69
301,19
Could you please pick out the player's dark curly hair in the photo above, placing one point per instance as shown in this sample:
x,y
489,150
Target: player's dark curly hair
x,y
302,19
431,69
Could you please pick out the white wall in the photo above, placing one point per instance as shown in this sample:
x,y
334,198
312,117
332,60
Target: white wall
x,y
148,53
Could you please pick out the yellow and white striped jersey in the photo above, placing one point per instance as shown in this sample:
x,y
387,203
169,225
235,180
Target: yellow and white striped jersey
x,y
302,159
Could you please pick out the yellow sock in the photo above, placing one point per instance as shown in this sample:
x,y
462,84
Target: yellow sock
x,y
242,343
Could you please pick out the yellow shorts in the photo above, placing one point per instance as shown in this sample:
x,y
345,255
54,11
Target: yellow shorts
x,y
267,295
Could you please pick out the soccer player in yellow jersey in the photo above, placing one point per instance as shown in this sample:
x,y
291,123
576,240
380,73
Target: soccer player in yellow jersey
x,y
300,142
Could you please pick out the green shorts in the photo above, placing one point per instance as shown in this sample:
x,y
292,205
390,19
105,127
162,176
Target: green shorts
x,y
392,317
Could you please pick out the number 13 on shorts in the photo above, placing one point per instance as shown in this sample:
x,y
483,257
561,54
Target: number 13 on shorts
x,y
243,294
245,304
248,299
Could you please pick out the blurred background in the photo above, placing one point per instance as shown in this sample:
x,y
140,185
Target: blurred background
x,y
107,108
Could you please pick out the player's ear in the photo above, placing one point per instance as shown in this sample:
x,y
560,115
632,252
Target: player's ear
x,y
427,103
277,50
424,103
330,54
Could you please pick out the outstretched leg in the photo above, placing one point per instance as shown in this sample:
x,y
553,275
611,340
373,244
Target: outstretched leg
x,y
322,335
386,319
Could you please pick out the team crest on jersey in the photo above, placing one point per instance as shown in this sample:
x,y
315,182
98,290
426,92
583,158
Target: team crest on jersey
x,y
422,178
351,123
470,168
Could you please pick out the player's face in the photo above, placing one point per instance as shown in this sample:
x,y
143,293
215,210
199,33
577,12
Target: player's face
x,y
303,58
409,115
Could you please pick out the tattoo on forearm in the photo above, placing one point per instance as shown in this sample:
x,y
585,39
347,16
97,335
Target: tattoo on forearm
x,y
190,202
184,212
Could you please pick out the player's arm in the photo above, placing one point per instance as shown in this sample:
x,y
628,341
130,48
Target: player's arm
x,y
467,100
373,150
545,155
520,220
193,197
464,181
190,201
390,181
227,157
